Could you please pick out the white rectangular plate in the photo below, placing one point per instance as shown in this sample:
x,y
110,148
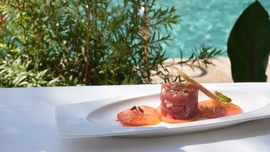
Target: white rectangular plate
x,y
98,118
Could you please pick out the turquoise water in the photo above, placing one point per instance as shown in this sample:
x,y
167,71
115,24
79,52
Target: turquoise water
x,y
204,21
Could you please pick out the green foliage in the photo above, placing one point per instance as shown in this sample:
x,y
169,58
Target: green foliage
x,y
248,45
201,56
15,73
83,42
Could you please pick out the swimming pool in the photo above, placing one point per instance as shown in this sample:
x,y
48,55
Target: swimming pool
x,y
204,21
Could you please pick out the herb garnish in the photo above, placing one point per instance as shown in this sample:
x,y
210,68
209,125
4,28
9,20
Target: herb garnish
x,y
138,109
222,97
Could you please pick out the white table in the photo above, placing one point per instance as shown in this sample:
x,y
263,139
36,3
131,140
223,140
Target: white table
x,y
27,123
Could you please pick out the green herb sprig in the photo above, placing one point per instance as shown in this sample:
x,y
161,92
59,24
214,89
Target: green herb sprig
x,y
222,97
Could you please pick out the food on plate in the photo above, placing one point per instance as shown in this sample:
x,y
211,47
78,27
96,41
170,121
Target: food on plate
x,y
198,85
178,104
210,109
173,120
139,116
178,100
222,97
218,106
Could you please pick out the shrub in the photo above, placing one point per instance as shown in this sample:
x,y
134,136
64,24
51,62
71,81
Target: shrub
x,y
85,42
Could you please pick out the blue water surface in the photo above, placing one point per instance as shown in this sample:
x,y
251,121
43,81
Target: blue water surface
x,y
204,21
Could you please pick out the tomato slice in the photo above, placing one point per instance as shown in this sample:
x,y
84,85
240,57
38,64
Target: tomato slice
x,y
172,120
220,110
148,116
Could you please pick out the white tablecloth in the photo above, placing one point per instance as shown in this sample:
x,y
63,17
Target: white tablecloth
x,y
27,123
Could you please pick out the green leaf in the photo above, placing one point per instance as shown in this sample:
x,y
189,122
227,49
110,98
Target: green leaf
x,y
222,97
18,80
248,45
